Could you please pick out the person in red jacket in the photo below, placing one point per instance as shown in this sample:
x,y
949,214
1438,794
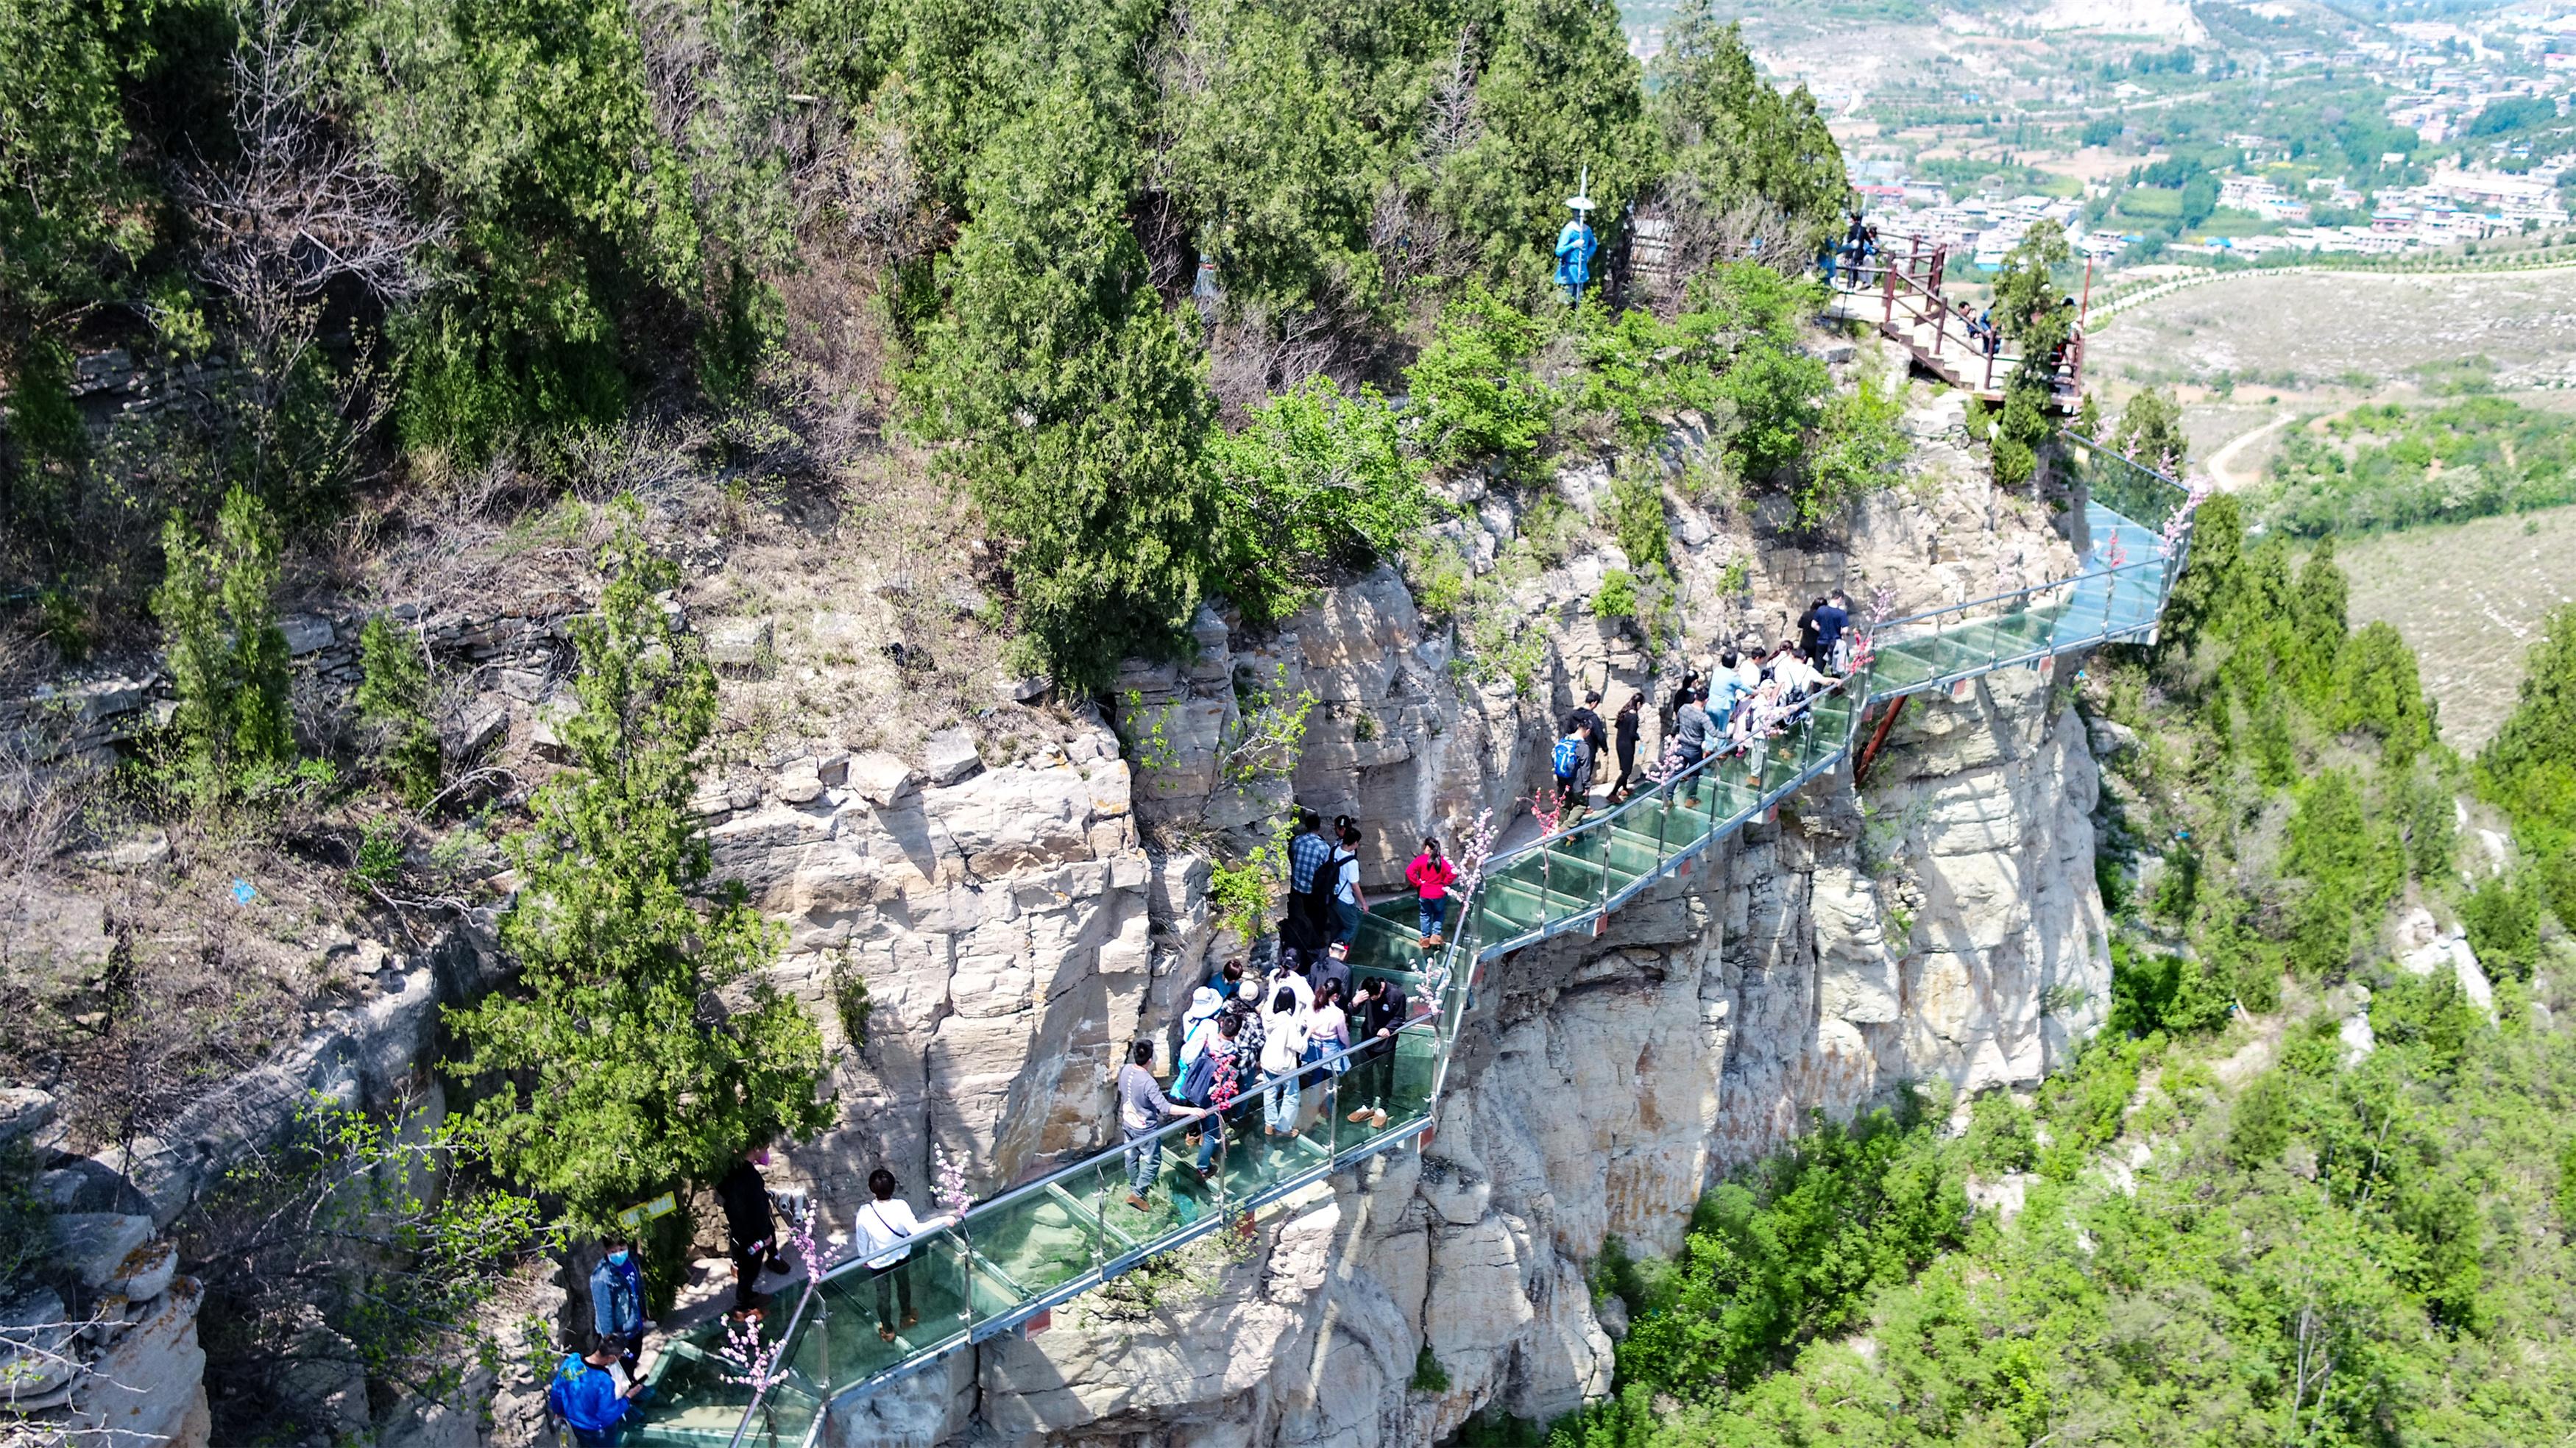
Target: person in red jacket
x,y
1431,875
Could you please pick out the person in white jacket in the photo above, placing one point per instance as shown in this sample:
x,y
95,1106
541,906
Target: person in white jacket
x,y
885,1227
1285,1026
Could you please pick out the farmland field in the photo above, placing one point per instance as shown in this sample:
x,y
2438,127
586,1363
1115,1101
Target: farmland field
x,y
2469,597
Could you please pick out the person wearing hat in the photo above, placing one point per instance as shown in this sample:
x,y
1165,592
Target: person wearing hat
x,y
1576,244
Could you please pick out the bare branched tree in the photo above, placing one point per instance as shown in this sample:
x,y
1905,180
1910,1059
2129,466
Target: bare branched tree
x,y
1701,231
1256,356
296,212
1410,238
299,209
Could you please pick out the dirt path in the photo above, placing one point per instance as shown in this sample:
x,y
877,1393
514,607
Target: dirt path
x,y
2224,464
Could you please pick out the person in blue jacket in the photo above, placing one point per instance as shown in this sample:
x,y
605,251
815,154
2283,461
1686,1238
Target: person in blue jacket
x,y
1574,248
595,1396
617,1298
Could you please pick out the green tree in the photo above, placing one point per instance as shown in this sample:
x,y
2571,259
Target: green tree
x,y
2529,768
603,1077
2377,691
2202,595
1745,158
394,699
1314,483
580,214
1082,407
226,655
1559,92
74,215
2151,433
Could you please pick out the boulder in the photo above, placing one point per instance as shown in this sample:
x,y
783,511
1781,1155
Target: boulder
x,y
146,1272
951,756
740,643
95,1245
799,783
305,634
35,1347
24,1111
880,778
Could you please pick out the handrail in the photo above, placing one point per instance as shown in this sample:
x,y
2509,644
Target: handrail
x,y
1437,1010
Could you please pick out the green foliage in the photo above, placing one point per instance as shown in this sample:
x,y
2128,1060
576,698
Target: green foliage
x,y
2002,1136
1637,517
2502,920
2389,466
1315,483
1239,895
393,698
2169,993
1740,150
72,212
1791,1252
2529,768
26,1219
225,652
605,1083
2151,433
1617,596
1082,409
2085,1104
2349,865
2028,304
1856,453
578,213
850,1003
2210,563
1472,388
399,1240
1428,1375
1559,91
2377,692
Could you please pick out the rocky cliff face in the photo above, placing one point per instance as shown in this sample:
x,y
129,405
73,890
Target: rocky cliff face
x,y
1942,924
1017,916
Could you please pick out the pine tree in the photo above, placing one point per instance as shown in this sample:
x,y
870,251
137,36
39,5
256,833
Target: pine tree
x,y
614,1072
226,654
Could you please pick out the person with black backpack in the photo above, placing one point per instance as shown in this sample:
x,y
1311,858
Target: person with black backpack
x,y
1347,901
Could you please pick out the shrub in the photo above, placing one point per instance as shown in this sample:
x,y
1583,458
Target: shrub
x,y
1618,595
2502,920
393,699
227,656
1472,388
1855,454
1314,483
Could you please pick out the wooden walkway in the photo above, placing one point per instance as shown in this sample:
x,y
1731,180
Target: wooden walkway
x,y
1900,292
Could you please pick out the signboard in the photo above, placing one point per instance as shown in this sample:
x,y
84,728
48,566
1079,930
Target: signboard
x,y
634,1217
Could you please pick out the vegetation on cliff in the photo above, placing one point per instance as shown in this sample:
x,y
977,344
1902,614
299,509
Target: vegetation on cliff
x,y
2300,1189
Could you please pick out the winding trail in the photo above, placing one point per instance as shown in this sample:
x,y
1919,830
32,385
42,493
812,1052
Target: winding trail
x,y
2223,468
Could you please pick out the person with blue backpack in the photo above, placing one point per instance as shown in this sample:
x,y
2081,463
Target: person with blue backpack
x,y
1572,761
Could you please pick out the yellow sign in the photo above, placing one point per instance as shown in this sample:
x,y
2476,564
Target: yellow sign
x,y
636,1216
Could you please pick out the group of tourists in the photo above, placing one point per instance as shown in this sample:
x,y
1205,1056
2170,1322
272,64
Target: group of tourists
x,y
1751,696
598,1394
1849,259
1256,1049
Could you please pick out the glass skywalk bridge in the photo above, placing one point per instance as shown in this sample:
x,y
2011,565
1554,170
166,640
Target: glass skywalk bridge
x,y
1043,1243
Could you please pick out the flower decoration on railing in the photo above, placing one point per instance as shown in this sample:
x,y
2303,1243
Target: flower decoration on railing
x,y
2114,553
1882,607
1546,811
2178,522
748,1358
948,1182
